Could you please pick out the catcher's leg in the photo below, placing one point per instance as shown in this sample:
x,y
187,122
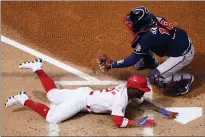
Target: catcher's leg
x,y
166,72
22,99
147,61
36,66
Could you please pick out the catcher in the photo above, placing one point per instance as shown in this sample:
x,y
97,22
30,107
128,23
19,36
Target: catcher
x,y
152,34
69,102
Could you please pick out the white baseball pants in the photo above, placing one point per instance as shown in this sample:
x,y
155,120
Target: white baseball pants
x,y
67,103
174,64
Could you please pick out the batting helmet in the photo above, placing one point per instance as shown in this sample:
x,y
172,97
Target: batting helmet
x,y
138,82
141,19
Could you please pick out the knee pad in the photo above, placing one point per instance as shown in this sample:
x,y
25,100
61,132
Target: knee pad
x,y
178,85
154,78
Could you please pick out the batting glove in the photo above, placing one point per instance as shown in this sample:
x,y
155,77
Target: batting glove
x,y
168,113
145,122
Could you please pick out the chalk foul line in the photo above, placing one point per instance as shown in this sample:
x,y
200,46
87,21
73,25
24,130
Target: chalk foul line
x,y
47,58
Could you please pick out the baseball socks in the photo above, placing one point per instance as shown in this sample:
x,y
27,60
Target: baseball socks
x,y
36,66
46,81
40,108
23,99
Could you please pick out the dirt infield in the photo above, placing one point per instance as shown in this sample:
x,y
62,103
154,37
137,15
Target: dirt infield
x,y
76,33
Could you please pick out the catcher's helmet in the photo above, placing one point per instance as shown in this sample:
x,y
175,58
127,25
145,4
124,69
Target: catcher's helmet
x,y
141,19
138,13
138,82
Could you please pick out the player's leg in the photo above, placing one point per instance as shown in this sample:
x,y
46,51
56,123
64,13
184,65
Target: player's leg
x,y
74,104
22,99
36,66
147,61
174,64
166,72
58,96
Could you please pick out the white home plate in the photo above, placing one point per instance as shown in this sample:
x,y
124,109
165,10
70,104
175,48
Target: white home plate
x,y
186,114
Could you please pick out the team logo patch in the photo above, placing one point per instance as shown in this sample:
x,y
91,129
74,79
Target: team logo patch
x,y
120,61
154,30
138,48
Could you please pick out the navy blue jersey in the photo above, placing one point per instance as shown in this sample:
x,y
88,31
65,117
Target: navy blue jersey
x,y
160,41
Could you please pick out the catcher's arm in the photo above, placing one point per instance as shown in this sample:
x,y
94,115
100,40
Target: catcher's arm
x,y
106,64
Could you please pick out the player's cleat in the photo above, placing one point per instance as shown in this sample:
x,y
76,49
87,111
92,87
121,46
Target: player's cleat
x,y
34,65
186,89
20,98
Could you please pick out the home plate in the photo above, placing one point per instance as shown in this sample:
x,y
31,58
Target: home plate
x,y
186,114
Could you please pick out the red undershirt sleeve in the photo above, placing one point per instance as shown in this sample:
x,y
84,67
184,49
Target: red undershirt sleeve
x,y
120,121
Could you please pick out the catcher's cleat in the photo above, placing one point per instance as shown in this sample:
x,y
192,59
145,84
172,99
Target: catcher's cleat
x,y
20,98
34,65
187,87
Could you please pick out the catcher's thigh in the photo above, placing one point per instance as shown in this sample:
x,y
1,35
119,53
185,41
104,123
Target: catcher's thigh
x,y
174,64
72,105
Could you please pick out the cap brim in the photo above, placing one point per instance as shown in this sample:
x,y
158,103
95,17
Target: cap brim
x,y
147,89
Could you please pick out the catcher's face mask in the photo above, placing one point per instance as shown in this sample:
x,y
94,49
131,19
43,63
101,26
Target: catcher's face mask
x,y
128,23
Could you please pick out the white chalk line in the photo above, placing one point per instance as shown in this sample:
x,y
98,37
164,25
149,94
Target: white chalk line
x,y
84,83
47,58
149,131
53,129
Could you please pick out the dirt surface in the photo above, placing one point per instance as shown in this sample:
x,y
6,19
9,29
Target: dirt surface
x,y
76,33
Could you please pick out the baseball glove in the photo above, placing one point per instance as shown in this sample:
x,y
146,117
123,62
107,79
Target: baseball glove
x,y
104,63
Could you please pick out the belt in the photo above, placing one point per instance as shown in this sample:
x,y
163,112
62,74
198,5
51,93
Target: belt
x,y
187,50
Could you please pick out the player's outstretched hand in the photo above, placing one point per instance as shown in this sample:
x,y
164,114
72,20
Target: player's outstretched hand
x,y
146,122
169,114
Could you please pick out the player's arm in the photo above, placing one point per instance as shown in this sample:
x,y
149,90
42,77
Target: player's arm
x,y
118,112
152,106
122,122
132,59
106,64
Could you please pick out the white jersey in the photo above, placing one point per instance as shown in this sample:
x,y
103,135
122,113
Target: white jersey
x,y
110,100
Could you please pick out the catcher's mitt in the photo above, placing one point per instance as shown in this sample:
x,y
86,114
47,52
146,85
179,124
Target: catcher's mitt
x,y
104,63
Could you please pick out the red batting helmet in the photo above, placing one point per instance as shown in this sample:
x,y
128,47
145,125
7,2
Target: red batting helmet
x,y
138,82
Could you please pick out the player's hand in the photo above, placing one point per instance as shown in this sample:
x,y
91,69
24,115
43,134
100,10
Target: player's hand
x,y
104,63
169,114
145,122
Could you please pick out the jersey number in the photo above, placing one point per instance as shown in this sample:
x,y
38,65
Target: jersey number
x,y
109,90
163,31
169,26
